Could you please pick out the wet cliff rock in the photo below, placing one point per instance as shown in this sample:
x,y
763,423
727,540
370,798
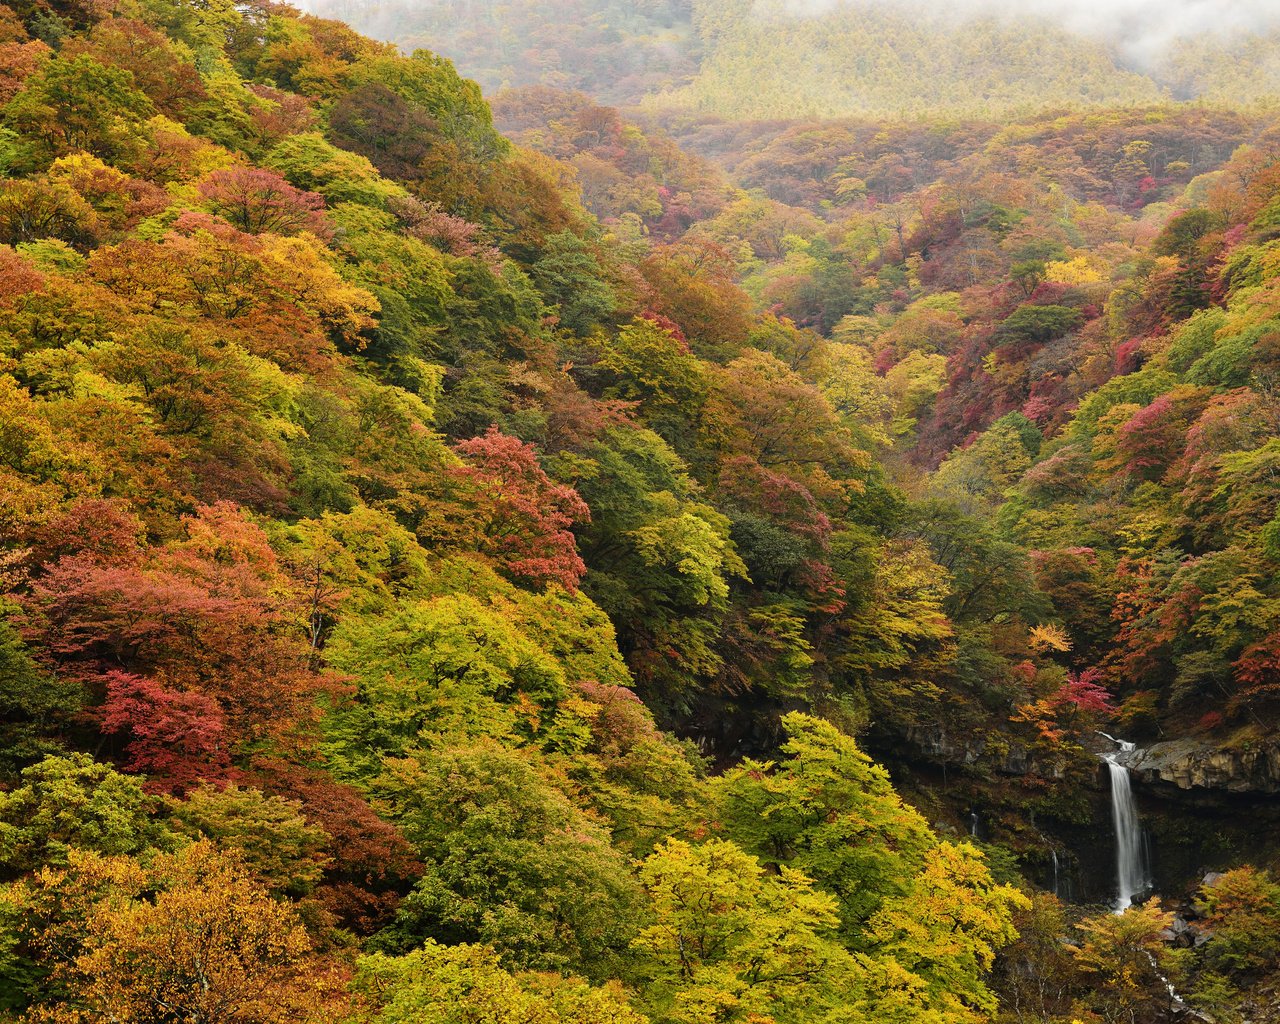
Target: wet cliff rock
x,y
937,745
1192,764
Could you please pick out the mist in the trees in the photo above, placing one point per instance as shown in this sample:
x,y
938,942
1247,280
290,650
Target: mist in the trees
x,y
1141,30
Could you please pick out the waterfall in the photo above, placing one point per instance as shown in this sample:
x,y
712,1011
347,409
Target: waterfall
x,y
973,824
1131,853
1131,872
1056,888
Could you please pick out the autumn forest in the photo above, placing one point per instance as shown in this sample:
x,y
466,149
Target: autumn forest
x,y
657,512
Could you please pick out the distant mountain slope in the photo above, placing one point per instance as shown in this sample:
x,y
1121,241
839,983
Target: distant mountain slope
x,y
615,50
757,59
1223,71
763,62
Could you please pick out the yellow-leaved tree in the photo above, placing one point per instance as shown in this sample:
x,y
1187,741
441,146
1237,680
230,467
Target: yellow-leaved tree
x,y
187,936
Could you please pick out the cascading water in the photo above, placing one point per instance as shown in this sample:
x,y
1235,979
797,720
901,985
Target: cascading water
x,y
1132,876
1131,868
1175,1001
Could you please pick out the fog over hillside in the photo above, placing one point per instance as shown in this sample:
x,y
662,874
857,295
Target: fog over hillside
x,y
1142,30
848,57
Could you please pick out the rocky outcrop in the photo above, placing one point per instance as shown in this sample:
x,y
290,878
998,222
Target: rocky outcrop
x,y
1193,764
934,743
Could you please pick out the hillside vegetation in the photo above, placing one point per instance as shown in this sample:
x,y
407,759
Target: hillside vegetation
x,y
448,576
764,59
1022,291
617,50
355,482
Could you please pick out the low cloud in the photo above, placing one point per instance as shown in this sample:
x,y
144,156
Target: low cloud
x,y
1141,30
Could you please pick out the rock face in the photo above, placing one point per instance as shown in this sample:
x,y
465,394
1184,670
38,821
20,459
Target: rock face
x,y
1191,764
934,743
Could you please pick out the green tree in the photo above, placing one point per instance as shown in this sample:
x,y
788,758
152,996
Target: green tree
x,y
73,802
444,670
311,162
731,943
659,560
468,984
35,707
430,83
946,928
77,104
269,834
827,810
1035,325
647,364
569,276
977,478
509,862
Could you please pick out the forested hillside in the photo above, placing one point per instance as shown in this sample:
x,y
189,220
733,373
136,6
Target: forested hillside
x,y
617,50
762,59
356,486
464,563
